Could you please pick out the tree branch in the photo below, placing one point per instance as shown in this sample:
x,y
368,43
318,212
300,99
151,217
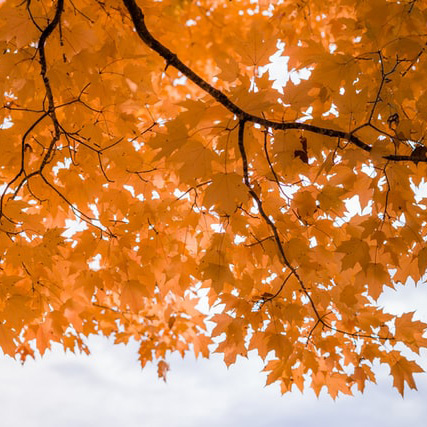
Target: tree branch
x,y
49,94
172,60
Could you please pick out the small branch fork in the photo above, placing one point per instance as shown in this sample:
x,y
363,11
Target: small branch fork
x,y
171,58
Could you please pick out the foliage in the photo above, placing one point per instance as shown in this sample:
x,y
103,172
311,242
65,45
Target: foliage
x,y
147,161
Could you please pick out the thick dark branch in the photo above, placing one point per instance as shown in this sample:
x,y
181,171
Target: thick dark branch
x,y
49,94
402,158
171,59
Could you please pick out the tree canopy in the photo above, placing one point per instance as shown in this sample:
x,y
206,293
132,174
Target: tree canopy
x,y
147,162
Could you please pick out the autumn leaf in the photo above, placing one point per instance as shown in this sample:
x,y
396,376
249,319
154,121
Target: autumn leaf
x,y
162,369
226,192
330,199
376,278
356,251
410,331
422,260
402,371
7,342
305,205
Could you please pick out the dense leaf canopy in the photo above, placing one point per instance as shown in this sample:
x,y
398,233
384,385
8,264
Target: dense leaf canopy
x,y
147,162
